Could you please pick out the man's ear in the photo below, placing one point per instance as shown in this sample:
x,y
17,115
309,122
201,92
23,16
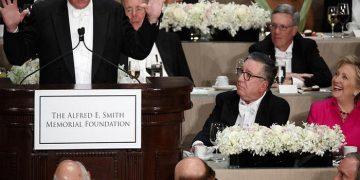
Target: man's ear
x,y
295,30
264,86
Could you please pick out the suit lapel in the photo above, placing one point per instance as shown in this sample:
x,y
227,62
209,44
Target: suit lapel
x,y
261,115
100,26
232,105
295,55
62,31
165,56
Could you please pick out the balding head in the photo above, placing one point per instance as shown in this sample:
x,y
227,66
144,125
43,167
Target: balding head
x,y
193,168
71,170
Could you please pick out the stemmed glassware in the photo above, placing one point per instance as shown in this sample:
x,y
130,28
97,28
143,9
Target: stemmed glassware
x,y
343,15
332,18
215,128
134,69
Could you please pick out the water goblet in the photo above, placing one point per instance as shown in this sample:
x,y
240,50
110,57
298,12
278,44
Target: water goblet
x,y
215,128
343,15
134,69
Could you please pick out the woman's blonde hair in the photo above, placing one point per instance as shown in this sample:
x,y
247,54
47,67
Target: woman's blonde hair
x,y
351,60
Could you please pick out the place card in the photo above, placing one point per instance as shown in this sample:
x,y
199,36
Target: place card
x,y
288,89
357,33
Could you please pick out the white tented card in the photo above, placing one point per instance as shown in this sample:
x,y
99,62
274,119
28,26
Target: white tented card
x,y
287,89
357,33
87,119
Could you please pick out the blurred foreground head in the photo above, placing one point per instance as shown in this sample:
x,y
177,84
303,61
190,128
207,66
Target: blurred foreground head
x,y
71,170
193,168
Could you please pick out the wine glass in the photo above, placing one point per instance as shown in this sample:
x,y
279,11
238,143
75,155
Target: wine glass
x,y
134,69
281,71
332,18
343,15
215,128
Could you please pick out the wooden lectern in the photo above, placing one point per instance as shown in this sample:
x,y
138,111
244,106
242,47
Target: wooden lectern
x,y
164,101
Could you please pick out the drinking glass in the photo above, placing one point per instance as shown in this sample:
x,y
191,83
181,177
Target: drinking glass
x,y
215,128
281,71
3,72
343,15
134,69
332,18
154,67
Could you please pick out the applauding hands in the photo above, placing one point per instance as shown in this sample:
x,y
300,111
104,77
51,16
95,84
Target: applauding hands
x,y
11,15
153,10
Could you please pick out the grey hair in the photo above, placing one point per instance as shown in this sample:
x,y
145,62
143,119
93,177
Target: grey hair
x,y
288,9
270,70
84,173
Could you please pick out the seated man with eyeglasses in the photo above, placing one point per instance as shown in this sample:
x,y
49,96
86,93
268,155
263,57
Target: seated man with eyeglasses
x,y
303,63
251,103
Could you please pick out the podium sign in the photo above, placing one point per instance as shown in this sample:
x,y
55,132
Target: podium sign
x,y
87,119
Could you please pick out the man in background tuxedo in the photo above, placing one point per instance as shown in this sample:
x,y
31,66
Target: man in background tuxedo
x,y
51,31
304,65
252,102
167,47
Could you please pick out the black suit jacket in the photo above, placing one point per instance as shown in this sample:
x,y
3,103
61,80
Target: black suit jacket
x,y
326,26
305,59
46,33
172,55
272,110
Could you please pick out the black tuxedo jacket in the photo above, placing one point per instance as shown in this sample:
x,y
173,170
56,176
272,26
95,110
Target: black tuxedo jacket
x,y
172,55
46,33
305,59
272,110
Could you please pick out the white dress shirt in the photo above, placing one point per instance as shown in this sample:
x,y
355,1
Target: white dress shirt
x,y
247,112
82,57
150,59
286,57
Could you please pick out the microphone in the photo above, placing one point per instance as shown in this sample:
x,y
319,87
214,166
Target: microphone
x,y
81,32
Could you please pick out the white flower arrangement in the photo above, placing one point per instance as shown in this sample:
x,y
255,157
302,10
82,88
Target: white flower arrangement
x,y
17,73
205,14
260,140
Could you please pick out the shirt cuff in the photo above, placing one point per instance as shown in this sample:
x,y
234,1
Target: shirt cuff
x,y
297,82
197,143
16,30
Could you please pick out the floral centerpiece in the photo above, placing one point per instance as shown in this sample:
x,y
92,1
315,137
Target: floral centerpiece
x,y
205,14
18,73
277,140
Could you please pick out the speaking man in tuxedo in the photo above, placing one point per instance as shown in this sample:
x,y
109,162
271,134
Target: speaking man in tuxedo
x,y
167,46
304,65
252,102
50,30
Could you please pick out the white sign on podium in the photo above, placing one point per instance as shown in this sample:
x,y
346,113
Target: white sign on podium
x,y
87,119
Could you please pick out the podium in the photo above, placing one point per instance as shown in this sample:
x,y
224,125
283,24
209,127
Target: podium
x,y
164,101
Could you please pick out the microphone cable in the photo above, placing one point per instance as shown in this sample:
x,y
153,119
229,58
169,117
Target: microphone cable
x,y
52,61
81,32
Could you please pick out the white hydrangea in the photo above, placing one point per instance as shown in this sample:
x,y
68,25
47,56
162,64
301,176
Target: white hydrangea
x,y
205,15
18,73
260,140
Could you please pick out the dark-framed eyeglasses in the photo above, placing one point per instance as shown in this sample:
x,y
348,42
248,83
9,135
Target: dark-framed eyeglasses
x,y
247,75
281,27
